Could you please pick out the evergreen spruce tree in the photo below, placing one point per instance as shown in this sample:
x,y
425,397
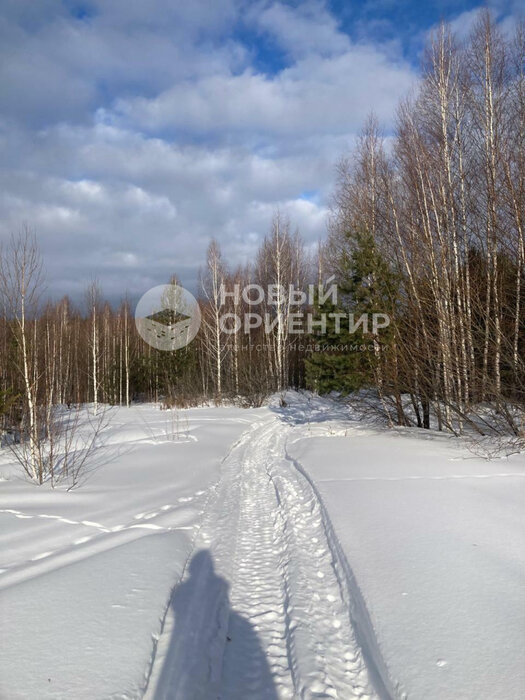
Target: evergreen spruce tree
x,y
366,286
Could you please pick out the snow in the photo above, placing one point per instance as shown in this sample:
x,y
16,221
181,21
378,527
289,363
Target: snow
x,y
288,551
88,573
436,541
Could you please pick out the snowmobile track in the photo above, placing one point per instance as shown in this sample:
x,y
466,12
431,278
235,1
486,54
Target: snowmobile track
x,y
270,614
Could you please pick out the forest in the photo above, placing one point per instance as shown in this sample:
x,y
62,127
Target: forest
x,y
426,227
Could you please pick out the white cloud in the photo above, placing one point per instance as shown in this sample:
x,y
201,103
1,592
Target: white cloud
x,y
306,29
315,95
130,137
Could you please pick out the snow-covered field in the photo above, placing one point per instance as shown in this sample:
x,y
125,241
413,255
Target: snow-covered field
x,y
281,552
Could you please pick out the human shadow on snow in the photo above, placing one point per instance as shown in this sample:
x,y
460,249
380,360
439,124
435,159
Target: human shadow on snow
x,y
214,653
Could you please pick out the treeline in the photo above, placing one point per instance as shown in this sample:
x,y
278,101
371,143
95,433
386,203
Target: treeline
x,y
55,355
428,225
62,353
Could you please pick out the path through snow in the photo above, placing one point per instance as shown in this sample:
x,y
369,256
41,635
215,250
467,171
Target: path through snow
x,y
265,609
265,605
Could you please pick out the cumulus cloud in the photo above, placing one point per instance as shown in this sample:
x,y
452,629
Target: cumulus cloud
x,y
315,95
303,30
131,133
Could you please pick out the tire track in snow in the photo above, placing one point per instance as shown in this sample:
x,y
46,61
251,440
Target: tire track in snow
x,y
266,533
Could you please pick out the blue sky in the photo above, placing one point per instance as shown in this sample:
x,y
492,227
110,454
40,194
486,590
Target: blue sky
x,y
132,132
